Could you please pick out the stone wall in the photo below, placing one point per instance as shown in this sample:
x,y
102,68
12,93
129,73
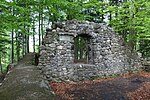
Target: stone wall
x,y
107,55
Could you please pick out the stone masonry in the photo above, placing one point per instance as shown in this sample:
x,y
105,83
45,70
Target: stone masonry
x,y
106,52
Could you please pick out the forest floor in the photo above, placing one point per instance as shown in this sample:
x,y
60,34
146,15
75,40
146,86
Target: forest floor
x,y
24,82
128,87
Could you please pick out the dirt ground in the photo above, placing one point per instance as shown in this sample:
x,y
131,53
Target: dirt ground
x,y
127,87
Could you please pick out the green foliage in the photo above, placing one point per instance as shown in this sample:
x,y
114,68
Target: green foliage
x,y
145,47
130,18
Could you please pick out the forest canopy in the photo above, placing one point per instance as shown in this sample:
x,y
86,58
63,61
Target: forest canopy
x,y
23,22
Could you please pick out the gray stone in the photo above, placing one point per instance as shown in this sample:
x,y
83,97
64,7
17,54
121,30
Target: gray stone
x,y
107,53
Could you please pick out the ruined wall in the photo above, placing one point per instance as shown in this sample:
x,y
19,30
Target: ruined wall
x,y
108,54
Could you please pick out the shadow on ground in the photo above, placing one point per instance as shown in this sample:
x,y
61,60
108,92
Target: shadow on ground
x,y
115,89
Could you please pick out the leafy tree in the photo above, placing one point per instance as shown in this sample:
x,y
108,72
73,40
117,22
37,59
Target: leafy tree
x,y
22,19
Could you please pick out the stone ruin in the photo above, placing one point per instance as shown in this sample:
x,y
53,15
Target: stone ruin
x,y
75,51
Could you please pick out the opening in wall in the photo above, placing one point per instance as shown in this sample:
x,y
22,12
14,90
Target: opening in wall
x,y
82,48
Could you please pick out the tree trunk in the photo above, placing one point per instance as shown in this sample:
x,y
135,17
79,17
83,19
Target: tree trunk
x,y
12,47
42,28
1,64
102,15
42,23
39,29
27,43
110,19
18,48
34,40
23,47
33,36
